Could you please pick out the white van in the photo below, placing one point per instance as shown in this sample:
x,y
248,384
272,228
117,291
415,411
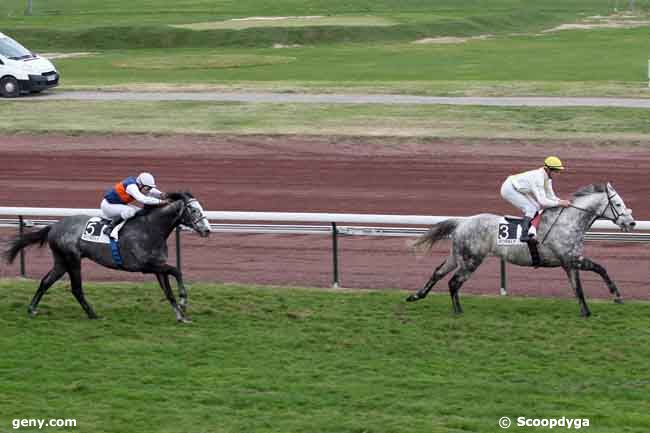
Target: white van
x,y
22,71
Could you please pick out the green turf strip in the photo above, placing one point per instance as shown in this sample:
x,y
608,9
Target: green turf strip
x,y
296,360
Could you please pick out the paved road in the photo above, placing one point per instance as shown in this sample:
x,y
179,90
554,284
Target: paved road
x,y
258,97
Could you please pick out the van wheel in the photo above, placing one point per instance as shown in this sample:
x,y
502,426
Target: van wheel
x,y
9,87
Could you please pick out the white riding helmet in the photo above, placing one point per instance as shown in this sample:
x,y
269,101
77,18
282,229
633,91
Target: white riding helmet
x,y
146,179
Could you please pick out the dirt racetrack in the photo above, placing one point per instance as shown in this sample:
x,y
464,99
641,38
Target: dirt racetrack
x,y
347,175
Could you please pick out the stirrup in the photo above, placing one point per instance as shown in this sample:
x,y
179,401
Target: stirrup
x,y
108,228
534,253
527,238
532,237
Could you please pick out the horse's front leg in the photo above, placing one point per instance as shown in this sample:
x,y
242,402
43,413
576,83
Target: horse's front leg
x,y
574,279
182,291
586,264
163,280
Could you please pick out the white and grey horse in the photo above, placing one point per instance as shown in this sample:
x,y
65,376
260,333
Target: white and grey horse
x,y
142,246
560,242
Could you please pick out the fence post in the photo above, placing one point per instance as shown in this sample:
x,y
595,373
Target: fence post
x,y
504,282
21,232
178,247
335,256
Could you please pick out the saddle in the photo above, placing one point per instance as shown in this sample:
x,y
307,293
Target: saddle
x,y
513,219
94,230
509,233
518,220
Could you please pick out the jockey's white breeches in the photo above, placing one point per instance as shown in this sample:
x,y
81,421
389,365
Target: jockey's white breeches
x,y
521,201
110,210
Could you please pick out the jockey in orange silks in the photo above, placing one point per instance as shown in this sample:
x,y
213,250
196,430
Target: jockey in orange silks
x,y
117,203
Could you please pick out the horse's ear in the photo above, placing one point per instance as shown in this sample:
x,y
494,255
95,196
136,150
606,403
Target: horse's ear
x,y
175,196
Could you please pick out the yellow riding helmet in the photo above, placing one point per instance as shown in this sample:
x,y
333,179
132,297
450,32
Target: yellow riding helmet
x,y
554,163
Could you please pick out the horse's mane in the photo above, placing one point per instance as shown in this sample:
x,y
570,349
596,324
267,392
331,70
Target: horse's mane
x,y
173,196
183,195
591,189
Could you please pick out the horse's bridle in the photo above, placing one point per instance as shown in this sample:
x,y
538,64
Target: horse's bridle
x,y
195,221
600,215
185,208
609,205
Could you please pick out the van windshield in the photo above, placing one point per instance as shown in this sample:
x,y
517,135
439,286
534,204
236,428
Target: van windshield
x,y
13,50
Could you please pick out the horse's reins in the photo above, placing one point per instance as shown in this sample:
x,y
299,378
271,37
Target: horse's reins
x,y
610,206
552,225
601,216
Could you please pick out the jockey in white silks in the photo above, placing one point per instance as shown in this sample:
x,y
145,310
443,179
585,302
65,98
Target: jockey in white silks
x,y
117,206
532,191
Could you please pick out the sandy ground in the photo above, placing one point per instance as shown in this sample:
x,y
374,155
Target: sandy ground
x,y
296,174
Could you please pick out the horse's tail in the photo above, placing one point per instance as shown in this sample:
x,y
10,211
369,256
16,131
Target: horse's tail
x,y
26,240
439,231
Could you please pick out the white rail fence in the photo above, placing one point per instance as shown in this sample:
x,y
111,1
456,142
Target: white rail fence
x,y
330,224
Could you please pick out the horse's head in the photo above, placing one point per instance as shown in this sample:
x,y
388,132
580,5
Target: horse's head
x,y
192,214
606,203
616,211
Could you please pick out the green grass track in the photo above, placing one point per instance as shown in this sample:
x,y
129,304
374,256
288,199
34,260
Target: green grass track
x,y
297,360
76,117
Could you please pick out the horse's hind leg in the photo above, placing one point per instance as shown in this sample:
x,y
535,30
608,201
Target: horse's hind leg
x,y
445,267
74,270
163,280
46,282
454,286
457,281
574,279
586,264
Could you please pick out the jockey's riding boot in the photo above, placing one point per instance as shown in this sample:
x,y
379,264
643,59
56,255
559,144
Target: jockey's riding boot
x,y
114,222
525,226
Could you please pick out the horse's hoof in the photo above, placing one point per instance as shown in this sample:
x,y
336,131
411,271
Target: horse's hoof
x,y
413,298
618,301
183,319
33,312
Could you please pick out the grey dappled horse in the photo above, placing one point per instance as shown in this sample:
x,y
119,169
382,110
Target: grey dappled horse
x,y
142,244
561,242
